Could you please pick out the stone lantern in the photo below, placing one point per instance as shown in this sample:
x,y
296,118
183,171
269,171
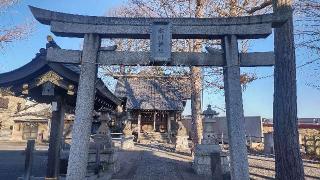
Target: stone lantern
x,y
207,155
209,136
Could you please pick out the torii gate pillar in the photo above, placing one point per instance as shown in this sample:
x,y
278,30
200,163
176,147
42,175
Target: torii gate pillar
x,y
234,109
77,165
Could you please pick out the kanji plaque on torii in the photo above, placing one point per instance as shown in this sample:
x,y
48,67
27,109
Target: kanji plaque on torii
x,y
160,40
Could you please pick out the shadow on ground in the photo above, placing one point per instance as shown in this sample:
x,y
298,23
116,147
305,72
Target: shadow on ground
x,y
12,164
151,164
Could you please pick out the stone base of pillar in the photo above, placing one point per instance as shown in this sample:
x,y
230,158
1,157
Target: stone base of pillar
x,y
108,161
225,163
268,143
127,142
182,144
207,160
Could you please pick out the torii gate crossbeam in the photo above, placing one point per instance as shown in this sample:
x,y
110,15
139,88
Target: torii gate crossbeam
x,y
229,30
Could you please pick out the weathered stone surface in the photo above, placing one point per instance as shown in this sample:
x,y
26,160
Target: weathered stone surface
x,y
127,130
178,58
225,163
202,160
234,110
104,157
268,143
46,16
182,144
69,25
78,157
203,169
103,136
127,142
182,130
206,149
207,160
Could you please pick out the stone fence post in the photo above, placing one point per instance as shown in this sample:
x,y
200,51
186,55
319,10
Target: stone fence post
x,y
29,160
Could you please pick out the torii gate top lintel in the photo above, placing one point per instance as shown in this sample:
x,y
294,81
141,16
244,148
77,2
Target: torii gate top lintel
x,y
70,25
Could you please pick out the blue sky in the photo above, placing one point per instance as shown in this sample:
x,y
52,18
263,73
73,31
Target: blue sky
x,y
258,96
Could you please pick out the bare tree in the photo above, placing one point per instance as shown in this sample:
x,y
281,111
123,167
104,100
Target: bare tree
x,y
198,9
10,33
307,31
307,20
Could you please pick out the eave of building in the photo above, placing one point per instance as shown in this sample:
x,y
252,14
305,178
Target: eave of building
x,y
31,120
63,76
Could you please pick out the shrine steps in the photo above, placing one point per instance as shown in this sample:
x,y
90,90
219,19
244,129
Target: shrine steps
x,y
151,137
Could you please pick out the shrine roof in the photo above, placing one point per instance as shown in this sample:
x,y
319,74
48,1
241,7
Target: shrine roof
x,y
153,93
62,75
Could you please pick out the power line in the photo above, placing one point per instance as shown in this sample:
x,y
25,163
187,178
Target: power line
x,y
298,67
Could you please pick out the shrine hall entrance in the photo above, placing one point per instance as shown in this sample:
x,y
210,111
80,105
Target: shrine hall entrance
x,y
150,122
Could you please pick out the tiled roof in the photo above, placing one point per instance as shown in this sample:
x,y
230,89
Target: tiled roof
x,y
152,94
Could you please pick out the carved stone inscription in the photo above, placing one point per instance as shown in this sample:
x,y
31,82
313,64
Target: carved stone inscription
x,y
160,40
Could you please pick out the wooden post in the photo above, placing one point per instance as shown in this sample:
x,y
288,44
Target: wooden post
x,y
288,161
234,110
78,157
169,123
154,121
169,126
56,131
222,142
139,124
29,159
314,144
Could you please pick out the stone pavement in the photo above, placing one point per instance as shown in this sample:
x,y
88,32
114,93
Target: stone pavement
x,y
147,163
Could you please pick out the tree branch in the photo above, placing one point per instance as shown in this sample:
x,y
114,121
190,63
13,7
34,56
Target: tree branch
x,y
265,4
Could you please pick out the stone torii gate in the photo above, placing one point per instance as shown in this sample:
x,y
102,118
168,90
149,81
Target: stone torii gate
x,y
160,31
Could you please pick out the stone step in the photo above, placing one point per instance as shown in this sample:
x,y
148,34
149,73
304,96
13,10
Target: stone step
x,y
154,136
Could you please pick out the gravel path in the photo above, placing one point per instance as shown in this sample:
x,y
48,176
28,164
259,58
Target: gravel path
x,y
263,168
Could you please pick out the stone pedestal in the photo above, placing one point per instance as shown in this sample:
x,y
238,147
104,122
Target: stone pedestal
x,y
108,161
207,156
102,157
268,143
225,163
182,144
207,160
127,138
